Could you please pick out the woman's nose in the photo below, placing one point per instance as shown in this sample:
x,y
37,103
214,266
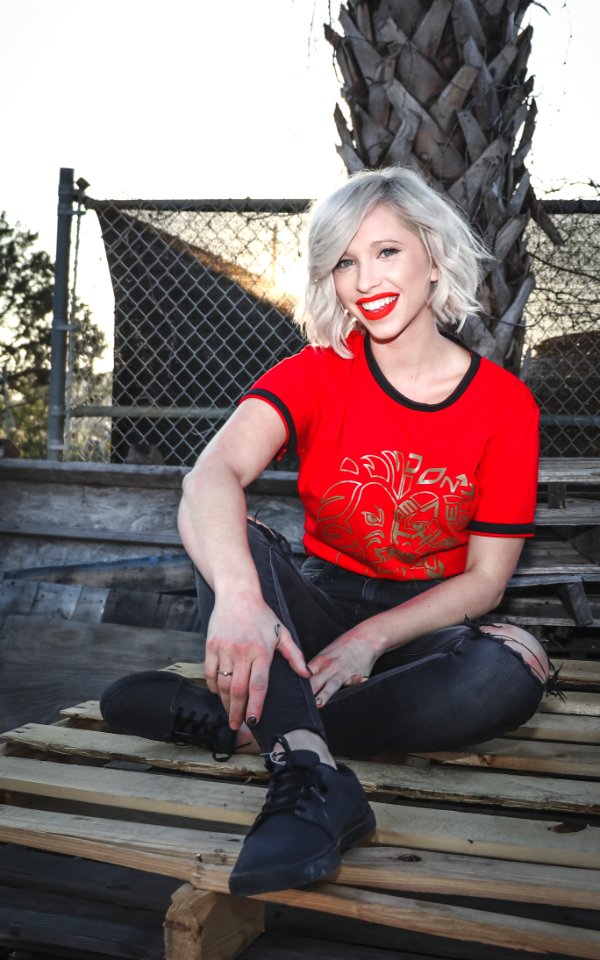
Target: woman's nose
x,y
367,277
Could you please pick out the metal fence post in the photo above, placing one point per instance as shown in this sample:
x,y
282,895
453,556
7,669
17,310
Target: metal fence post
x,y
60,305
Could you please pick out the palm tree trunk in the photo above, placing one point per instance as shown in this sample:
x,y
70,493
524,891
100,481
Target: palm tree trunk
x,y
442,86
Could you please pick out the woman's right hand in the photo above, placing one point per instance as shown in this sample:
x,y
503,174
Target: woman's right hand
x,y
242,637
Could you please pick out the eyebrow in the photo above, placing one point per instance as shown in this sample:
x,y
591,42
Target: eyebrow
x,y
378,243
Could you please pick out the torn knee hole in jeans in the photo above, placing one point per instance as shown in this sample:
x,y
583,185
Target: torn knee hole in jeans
x,y
543,673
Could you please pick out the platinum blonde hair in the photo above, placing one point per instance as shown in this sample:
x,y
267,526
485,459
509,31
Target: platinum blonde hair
x,y
448,240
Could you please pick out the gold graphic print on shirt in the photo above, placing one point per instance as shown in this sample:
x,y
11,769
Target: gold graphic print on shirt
x,y
391,513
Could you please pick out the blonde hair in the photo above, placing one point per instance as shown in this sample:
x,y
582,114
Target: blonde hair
x,y
448,240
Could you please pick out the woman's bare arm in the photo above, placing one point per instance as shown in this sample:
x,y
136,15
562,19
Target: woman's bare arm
x,y
212,524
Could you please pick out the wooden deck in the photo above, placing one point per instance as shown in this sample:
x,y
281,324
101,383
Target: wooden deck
x,y
496,846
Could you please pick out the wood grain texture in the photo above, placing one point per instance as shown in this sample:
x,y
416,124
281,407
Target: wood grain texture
x,y
98,838
236,805
210,926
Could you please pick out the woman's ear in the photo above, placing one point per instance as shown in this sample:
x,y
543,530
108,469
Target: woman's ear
x,y
434,276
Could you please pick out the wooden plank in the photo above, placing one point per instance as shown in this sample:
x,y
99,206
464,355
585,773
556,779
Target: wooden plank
x,y
84,837
533,611
167,573
430,783
92,534
95,474
384,868
236,805
579,673
85,604
533,576
210,926
458,923
573,595
40,872
36,925
561,727
574,513
577,704
572,760
569,469
140,476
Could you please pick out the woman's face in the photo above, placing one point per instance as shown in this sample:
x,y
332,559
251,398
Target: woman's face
x,y
384,277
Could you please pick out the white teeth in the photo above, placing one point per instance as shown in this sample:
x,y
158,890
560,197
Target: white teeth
x,y
378,304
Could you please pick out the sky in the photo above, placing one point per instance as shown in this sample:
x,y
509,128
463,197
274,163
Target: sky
x,y
201,98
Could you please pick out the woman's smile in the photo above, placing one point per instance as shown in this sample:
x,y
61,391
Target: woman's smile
x,y
377,307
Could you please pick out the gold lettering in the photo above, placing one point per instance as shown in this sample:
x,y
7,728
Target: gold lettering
x,y
432,475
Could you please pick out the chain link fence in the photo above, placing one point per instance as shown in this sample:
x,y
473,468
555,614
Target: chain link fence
x,y
204,295
562,362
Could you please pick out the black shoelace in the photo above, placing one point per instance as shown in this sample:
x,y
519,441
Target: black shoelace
x,y
292,787
200,730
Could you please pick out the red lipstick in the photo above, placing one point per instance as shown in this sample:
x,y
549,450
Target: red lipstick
x,y
378,306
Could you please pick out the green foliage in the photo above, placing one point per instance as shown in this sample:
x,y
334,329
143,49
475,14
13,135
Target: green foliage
x,y
26,291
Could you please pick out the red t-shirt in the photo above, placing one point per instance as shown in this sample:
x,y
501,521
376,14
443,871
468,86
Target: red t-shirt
x,y
393,488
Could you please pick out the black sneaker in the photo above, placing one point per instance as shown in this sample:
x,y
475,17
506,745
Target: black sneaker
x,y
164,706
312,813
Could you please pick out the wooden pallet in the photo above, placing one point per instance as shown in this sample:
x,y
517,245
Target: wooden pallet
x,y
470,845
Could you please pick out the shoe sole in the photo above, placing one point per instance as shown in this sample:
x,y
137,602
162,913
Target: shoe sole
x,y
300,875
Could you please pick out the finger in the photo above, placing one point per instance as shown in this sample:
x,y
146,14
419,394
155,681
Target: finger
x,y
223,691
238,696
319,664
223,681
317,682
257,691
210,671
326,692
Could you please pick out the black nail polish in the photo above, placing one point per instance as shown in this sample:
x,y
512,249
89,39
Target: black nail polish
x,y
251,721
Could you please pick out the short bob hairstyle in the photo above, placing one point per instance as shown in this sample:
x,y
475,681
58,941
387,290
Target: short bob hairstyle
x,y
449,242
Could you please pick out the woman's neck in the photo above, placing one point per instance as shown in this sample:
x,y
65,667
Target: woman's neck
x,y
423,367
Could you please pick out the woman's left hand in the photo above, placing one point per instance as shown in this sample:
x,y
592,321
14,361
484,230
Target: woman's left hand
x,y
346,661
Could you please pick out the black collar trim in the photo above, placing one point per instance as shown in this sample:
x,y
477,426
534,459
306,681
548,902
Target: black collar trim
x,y
391,391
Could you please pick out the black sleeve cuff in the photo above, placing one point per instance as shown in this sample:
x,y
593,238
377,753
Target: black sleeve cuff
x,y
502,529
278,403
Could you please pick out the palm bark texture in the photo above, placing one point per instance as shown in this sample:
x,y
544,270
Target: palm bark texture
x,y
442,86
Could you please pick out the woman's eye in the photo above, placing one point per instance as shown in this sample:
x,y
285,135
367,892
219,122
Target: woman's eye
x,y
343,263
388,252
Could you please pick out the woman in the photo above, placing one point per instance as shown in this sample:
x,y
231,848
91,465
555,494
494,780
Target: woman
x,y
418,475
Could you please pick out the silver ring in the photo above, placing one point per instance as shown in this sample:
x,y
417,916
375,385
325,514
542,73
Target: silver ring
x,y
225,673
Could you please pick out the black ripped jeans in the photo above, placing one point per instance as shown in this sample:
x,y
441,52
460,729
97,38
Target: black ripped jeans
x,y
444,690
